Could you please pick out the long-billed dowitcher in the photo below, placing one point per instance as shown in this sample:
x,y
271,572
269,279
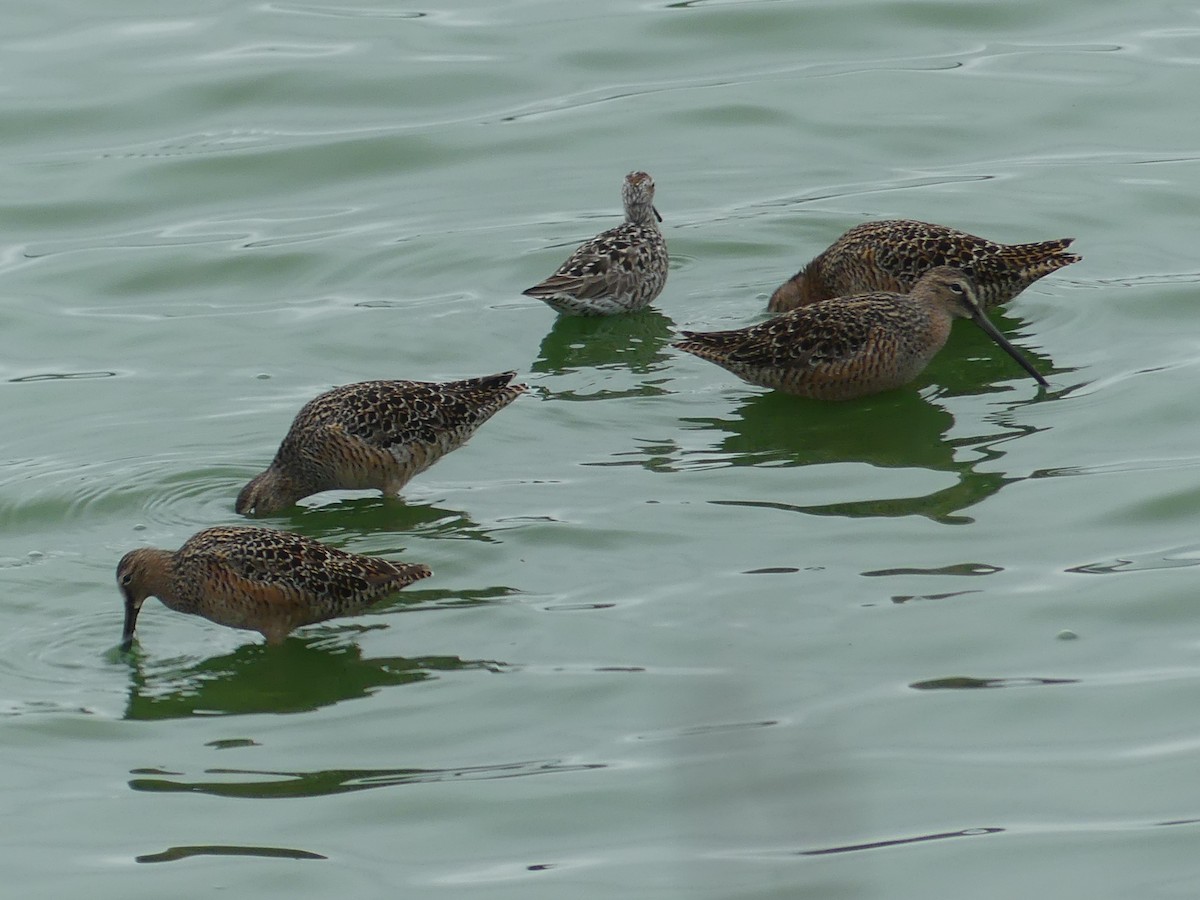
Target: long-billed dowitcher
x,y
850,347
374,434
257,579
892,254
619,270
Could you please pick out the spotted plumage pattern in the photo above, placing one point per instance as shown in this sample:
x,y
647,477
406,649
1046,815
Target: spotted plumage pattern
x,y
891,255
374,434
854,346
257,579
620,270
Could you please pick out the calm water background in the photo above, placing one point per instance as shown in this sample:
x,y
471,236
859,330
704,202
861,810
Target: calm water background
x,y
685,638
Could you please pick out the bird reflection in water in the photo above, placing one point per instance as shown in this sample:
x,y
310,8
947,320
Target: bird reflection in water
x,y
896,430
306,672
621,345
374,514
972,364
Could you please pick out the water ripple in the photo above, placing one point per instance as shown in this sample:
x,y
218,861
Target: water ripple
x,y
344,12
57,664
1182,557
570,103
56,492
278,51
897,842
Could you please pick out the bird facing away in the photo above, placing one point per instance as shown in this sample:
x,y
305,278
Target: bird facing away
x,y
851,347
891,255
258,579
619,270
374,434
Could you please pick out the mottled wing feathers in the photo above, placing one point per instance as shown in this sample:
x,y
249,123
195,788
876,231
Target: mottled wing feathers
x,y
387,414
1036,259
374,434
805,337
286,574
609,264
890,255
907,249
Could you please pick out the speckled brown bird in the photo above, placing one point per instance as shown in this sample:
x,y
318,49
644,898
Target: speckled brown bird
x,y
258,579
891,255
374,434
851,347
620,270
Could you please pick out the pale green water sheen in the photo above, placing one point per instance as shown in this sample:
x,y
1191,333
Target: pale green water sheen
x,y
685,638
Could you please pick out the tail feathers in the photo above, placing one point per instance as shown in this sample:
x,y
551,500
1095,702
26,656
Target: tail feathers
x,y
709,345
555,286
486,393
498,382
398,575
1042,257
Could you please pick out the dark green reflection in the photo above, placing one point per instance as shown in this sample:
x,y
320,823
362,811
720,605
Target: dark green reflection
x,y
636,342
174,854
966,568
895,430
377,514
966,682
303,674
898,429
971,363
324,783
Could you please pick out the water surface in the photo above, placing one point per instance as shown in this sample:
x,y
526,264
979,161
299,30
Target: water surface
x,y
686,638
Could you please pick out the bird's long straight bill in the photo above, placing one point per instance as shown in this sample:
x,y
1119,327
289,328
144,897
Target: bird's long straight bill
x,y
131,614
983,322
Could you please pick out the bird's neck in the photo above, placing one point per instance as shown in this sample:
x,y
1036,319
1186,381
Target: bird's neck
x,y
159,578
641,214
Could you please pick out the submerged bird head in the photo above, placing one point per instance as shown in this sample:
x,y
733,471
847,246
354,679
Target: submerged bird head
x,y
638,196
140,574
267,493
803,288
955,292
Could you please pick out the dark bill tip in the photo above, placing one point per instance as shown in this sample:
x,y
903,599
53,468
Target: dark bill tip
x,y
991,331
131,614
657,214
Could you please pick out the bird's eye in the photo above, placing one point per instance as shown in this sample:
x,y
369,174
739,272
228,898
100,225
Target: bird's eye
x,y
126,578
956,287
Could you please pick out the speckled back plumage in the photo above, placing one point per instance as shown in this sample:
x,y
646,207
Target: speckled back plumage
x,y
848,347
258,579
619,270
891,255
374,434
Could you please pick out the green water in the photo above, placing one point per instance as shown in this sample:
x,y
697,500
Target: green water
x,y
685,638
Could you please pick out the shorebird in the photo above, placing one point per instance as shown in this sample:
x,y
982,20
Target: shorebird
x,y
258,579
892,254
851,347
619,270
374,434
